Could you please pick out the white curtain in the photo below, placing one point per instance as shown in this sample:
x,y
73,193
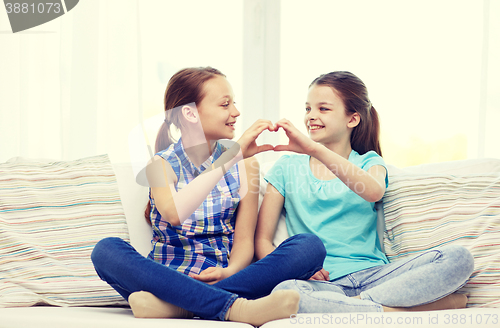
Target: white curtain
x,y
81,84
432,69
70,88
489,136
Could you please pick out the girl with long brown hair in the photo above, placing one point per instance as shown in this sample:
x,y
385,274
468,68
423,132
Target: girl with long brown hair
x,y
329,189
203,209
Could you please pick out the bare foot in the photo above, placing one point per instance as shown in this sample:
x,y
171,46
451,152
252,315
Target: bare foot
x,y
279,305
452,301
146,305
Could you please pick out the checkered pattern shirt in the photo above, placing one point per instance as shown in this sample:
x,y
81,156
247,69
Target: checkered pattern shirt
x,y
206,237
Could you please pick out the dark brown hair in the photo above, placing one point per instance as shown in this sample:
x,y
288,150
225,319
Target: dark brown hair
x,y
184,87
353,92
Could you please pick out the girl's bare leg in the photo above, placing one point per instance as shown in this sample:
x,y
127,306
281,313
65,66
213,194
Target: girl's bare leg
x,y
278,305
146,305
452,301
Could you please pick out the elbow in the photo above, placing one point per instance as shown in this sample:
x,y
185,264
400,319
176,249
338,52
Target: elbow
x,y
170,215
175,221
375,195
259,255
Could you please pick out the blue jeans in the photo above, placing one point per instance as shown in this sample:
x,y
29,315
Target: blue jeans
x,y
422,279
127,271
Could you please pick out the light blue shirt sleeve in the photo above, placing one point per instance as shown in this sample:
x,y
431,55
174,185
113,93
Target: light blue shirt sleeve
x,y
277,175
370,159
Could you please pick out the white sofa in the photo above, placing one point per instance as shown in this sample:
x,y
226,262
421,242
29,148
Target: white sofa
x,y
425,206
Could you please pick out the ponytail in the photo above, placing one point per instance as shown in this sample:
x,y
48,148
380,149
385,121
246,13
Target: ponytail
x,y
164,137
365,136
376,132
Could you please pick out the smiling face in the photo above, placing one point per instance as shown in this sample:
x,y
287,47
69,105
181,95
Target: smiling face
x,y
325,117
217,110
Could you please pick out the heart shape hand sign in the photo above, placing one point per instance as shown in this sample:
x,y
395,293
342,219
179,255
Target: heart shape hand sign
x,y
297,141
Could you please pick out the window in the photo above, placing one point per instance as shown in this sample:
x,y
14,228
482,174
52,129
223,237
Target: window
x,y
420,60
175,35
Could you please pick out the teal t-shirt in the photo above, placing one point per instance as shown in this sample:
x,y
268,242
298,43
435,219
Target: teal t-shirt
x,y
345,222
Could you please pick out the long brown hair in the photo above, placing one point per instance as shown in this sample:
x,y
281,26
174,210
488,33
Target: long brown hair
x,y
184,87
353,92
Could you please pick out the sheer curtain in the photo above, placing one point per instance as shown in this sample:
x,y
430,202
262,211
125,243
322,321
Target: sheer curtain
x,y
432,69
70,87
81,84
489,115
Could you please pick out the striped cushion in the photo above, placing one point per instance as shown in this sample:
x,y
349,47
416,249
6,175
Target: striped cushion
x,y
51,216
426,211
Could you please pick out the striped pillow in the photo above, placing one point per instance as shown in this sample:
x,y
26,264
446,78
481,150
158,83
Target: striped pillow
x,y
51,216
427,211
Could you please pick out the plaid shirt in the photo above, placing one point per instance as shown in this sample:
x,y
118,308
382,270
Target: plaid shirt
x,y
206,237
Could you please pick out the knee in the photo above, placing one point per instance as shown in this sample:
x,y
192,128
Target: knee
x,y
311,247
303,287
317,249
461,259
287,284
103,251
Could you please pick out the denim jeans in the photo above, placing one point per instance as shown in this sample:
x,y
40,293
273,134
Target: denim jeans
x,y
127,271
419,280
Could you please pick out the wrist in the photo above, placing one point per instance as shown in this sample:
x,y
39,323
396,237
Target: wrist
x,y
229,271
316,150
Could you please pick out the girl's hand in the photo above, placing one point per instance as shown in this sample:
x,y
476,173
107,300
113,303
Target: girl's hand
x,y
298,142
321,275
247,141
211,275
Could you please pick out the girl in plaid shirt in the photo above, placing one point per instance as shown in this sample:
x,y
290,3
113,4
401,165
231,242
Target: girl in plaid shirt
x,y
203,209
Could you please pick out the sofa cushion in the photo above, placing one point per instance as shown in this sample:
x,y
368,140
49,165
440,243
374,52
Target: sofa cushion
x,y
51,216
424,211
97,317
134,198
